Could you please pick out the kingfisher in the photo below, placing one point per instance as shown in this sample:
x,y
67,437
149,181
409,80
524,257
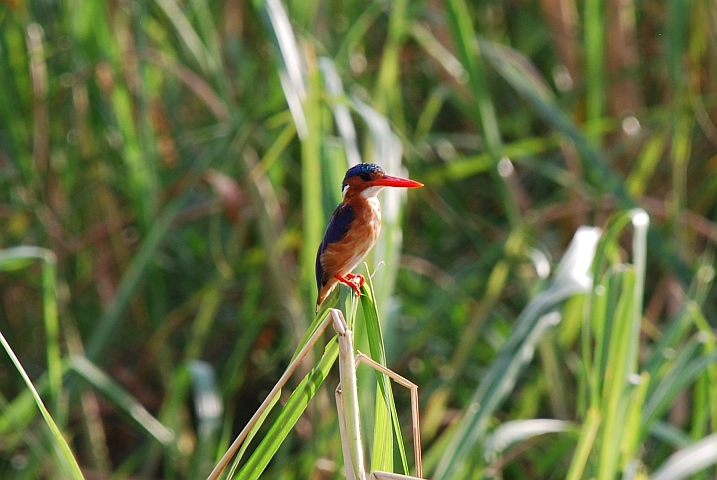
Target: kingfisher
x,y
353,228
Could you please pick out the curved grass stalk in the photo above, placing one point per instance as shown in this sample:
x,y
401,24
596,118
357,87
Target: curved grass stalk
x,y
67,459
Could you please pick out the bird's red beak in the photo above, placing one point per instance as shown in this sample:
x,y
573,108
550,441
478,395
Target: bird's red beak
x,y
389,181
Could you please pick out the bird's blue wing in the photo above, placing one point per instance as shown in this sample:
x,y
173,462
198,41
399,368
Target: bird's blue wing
x,y
339,226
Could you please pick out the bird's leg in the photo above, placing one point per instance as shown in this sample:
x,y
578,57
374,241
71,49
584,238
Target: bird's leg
x,y
355,281
356,278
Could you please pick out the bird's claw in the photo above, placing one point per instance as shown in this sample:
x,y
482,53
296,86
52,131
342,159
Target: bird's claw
x,y
356,281
353,280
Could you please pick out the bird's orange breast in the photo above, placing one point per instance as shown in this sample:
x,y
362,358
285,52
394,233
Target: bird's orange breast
x,y
343,256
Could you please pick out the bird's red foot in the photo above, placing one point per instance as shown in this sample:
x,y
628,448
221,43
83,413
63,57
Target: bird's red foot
x,y
355,281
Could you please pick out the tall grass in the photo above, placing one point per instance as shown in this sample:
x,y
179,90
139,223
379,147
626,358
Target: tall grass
x,y
172,166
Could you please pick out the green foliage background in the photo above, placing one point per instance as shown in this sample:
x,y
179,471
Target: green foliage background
x,y
161,204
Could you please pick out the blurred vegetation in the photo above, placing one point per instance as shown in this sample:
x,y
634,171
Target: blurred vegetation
x,y
167,170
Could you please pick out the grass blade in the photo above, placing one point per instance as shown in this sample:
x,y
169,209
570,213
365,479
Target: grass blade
x,y
66,458
250,436
594,58
616,387
690,460
122,399
188,35
291,70
585,444
386,424
17,257
517,431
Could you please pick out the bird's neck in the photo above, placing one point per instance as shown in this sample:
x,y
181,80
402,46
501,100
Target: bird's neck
x,y
367,208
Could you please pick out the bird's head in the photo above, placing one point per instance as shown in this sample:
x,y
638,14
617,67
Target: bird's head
x,y
368,179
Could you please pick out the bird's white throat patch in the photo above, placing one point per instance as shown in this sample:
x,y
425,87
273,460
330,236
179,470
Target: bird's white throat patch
x,y
371,192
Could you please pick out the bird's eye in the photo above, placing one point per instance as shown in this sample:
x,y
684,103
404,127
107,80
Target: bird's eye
x,y
365,176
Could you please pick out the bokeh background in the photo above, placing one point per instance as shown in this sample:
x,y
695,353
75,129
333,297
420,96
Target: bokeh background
x,y
167,169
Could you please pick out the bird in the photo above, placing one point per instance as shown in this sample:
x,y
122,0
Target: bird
x,y
353,228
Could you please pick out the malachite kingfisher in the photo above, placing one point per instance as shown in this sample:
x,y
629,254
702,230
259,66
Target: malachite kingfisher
x,y
353,228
